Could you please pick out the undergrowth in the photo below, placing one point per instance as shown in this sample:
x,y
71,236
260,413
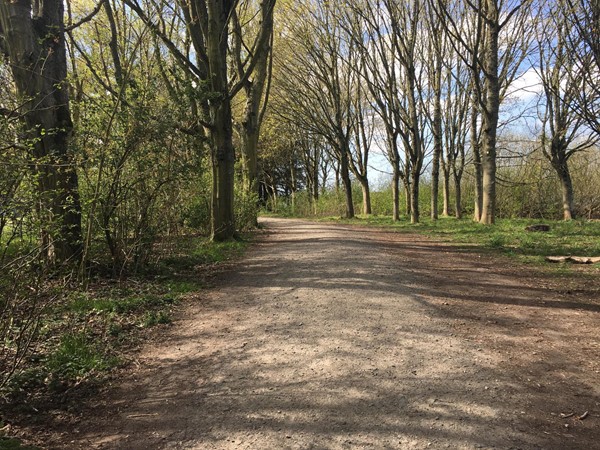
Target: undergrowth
x,y
83,334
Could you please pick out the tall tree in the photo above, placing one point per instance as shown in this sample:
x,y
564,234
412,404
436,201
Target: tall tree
x,y
32,37
255,90
456,98
317,77
437,48
563,79
363,139
494,43
408,31
210,29
368,24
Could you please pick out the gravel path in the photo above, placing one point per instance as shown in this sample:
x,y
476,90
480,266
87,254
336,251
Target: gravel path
x,y
335,337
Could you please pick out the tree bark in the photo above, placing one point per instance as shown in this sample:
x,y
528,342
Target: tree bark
x,y
345,175
366,195
457,196
220,131
437,136
476,163
567,191
396,192
490,115
35,43
407,193
414,197
446,193
223,164
255,103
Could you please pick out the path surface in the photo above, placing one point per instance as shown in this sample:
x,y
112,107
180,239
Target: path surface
x,y
335,337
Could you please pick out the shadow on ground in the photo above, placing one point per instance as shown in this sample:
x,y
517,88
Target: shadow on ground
x,y
329,337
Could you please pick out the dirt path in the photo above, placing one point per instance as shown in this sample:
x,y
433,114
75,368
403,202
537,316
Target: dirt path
x,y
333,337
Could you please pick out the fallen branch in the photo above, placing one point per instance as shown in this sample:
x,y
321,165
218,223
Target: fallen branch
x,y
538,227
574,259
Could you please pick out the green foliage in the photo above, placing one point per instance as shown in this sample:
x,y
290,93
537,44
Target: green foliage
x,y
207,252
26,380
246,211
84,303
7,443
194,252
496,240
81,333
197,215
330,203
382,203
153,318
76,356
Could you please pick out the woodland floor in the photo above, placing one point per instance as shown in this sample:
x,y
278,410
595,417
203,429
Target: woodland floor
x,y
334,336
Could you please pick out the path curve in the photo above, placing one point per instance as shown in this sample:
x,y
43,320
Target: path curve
x,y
336,337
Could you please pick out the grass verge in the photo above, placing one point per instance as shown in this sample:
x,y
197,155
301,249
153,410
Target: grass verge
x,y
507,236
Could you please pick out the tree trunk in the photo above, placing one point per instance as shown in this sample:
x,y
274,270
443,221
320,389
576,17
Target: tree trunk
x,y
221,130
435,181
490,117
366,195
255,91
223,160
407,193
345,175
414,197
249,157
476,162
567,191
293,185
437,138
457,197
315,189
446,193
396,192
34,41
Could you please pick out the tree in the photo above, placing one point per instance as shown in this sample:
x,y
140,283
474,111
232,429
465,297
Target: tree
x,y
582,18
255,90
493,41
406,25
437,48
563,79
32,36
379,49
317,84
457,102
363,140
209,28
138,156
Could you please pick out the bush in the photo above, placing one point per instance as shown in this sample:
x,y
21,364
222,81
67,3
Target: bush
x,y
245,211
197,215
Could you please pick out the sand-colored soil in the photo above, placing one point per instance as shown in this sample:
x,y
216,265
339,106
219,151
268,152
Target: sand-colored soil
x,y
337,337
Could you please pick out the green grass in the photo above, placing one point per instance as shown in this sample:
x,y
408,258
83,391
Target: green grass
x,y
152,318
507,235
76,356
199,252
83,303
7,443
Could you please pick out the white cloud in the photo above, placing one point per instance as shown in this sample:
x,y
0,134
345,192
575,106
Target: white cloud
x,y
526,87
